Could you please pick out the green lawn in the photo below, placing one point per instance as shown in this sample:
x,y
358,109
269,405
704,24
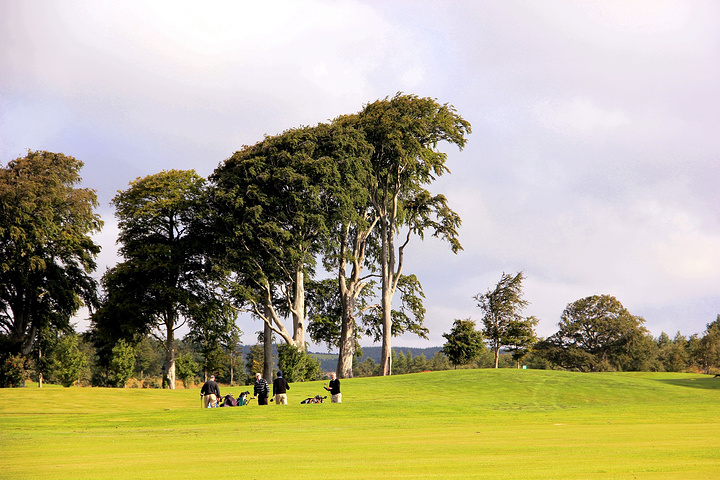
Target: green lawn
x,y
499,424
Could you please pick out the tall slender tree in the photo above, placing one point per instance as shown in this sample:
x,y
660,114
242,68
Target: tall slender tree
x,y
165,277
404,132
501,311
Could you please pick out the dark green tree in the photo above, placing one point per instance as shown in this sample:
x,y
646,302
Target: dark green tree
x,y
464,343
672,353
187,368
710,346
165,277
122,363
596,334
501,309
46,250
274,201
296,364
521,337
68,362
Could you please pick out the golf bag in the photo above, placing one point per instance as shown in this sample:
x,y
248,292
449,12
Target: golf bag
x,y
228,401
315,399
243,399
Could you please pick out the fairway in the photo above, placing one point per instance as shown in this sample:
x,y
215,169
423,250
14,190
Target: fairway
x,y
499,424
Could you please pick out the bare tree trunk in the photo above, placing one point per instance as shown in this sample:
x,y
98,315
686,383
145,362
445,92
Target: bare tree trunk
x,y
170,353
347,345
267,352
40,374
298,310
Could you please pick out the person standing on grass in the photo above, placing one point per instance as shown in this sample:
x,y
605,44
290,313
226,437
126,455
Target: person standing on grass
x,y
261,389
280,388
210,392
334,389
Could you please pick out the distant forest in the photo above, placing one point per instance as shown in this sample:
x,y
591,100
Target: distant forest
x,y
328,361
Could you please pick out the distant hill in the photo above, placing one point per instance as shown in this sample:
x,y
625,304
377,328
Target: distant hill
x,y
328,361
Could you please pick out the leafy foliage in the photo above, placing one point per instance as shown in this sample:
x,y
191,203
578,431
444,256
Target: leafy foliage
x,y
165,278
296,364
68,361
464,343
46,250
501,309
187,368
596,334
121,365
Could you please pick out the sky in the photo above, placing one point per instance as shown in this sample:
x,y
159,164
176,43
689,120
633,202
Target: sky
x,y
592,167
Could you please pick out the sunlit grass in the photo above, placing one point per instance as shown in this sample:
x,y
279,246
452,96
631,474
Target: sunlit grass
x,y
505,424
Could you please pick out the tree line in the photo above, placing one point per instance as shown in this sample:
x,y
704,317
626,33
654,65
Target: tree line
x,y
306,231
596,333
347,196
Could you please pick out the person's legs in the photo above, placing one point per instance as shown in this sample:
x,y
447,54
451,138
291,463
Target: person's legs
x,y
337,398
281,399
210,400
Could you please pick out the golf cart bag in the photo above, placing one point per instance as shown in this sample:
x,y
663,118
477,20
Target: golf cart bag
x,y
315,399
243,399
228,401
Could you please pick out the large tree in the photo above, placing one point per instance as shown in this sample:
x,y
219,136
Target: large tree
x,y
596,333
46,250
165,278
464,342
275,202
404,132
501,308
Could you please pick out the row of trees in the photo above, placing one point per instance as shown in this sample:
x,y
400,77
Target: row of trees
x,y
596,333
347,195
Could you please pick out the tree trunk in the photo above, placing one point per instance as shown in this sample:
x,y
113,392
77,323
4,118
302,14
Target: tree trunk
x,y
386,364
388,267
347,344
298,310
497,356
267,352
40,373
350,290
170,355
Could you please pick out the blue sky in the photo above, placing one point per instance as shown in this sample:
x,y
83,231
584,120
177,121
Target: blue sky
x,y
593,163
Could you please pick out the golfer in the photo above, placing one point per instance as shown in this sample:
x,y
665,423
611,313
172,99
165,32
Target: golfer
x,y
334,389
210,392
261,389
280,388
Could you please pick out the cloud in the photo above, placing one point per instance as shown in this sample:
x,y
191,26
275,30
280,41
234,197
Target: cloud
x,y
579,116
593,164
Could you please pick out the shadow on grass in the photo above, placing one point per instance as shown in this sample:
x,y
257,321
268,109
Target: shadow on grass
x,y
705,383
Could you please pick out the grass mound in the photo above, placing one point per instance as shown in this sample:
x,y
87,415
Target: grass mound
x,y
509,424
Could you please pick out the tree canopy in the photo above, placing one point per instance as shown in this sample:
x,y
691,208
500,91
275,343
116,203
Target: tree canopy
x,y
464,343
503,324
596,333
404,132
165,278
46,250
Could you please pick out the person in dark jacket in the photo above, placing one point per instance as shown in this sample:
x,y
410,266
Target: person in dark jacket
x,y
334,389
261,389
210,392
280,388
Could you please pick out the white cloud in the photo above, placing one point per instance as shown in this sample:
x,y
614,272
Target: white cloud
x,y
579,116
592,166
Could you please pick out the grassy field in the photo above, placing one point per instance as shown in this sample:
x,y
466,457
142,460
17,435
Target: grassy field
x,y
504,424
